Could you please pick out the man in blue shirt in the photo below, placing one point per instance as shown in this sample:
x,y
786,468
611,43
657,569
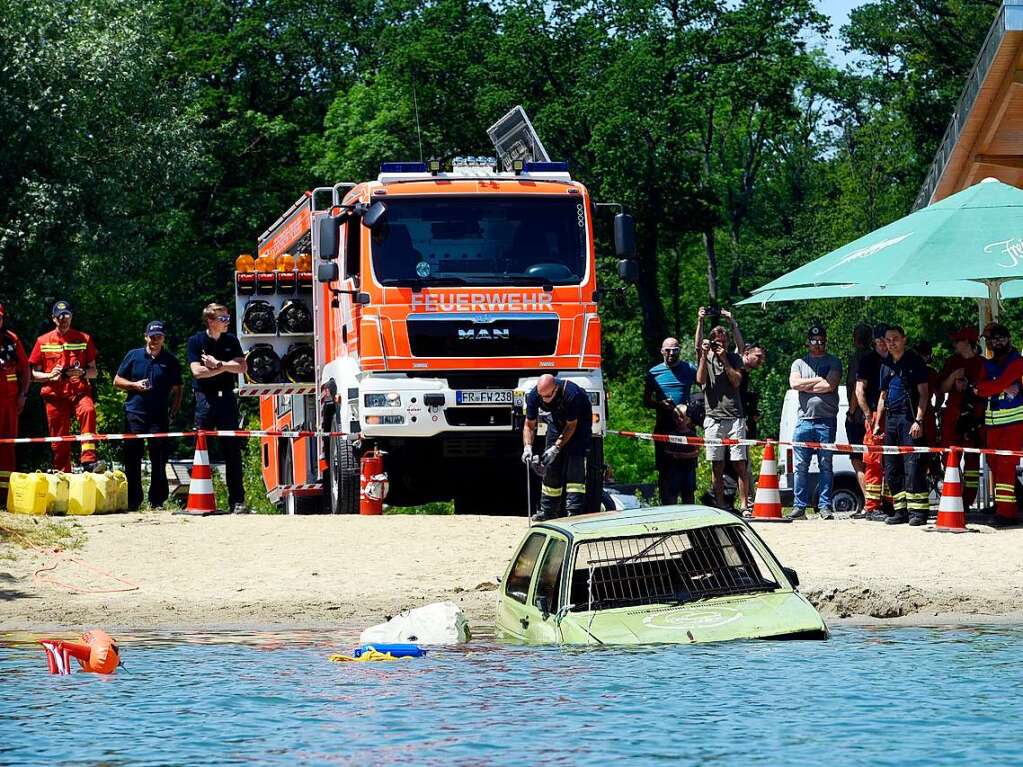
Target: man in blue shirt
x,y
667,392
567,411
152,377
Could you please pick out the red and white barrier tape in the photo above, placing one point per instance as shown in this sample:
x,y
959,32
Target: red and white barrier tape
x,y
837,447
170,434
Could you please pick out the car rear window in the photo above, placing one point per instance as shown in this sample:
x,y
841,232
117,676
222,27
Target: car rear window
x,y
670,568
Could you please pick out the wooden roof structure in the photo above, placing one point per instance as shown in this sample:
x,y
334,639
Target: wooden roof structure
x,y
985,135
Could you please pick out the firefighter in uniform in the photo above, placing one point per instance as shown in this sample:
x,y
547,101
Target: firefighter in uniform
x,y
868,394
902,408
1002,384
569,417
14,380
964,411
64,360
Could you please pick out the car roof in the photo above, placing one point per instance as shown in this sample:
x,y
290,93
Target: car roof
x,y
640,521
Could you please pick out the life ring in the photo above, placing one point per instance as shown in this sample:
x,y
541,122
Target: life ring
x,y
97,652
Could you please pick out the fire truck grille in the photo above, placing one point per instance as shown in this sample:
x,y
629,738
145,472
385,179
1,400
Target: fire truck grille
x,y
497,338
478,416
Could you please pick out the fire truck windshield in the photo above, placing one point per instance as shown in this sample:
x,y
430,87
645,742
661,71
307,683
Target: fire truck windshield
x,y
512,240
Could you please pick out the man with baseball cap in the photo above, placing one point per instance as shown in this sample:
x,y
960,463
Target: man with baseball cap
x,y
1002,384
152,377
64,360
14,381
816,377
964,412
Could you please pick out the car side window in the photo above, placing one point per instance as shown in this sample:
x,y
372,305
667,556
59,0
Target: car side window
x,y
353,231
521,573
549,580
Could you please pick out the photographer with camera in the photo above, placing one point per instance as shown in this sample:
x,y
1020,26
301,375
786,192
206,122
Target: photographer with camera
x,y
14,381
712,312
667,392
719,373
963,416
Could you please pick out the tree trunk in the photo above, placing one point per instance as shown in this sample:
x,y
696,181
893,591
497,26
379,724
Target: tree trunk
x,y
712,264
651,308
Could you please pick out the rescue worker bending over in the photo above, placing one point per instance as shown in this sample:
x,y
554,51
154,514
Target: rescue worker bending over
x,y
64,360
14,380
902,407
569,417
1003,423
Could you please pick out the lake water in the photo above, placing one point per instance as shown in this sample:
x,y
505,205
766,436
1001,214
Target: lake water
x,y
884,696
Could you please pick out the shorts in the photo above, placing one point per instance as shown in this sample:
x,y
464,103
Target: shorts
x,y
855,429
725,428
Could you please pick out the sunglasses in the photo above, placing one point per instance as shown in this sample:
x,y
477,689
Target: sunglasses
x,y
223,318
816,342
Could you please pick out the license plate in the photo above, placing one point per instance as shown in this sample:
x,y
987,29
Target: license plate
x,y
483,397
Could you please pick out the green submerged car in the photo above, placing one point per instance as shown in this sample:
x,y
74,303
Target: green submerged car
x,y
668,574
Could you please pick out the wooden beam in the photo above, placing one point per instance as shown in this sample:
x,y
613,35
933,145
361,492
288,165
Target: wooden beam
x,y
1001,160
1010,88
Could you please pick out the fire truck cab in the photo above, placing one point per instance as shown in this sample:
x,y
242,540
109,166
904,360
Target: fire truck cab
x,y
439,298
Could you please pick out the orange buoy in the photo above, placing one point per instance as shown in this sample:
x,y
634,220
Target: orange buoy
x,y
97,653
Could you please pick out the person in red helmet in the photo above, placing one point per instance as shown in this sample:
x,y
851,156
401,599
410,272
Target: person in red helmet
x,y
964,413
64,361
1002,385
14,380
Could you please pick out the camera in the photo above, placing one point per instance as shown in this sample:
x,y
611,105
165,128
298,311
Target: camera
x,y
716,346
712,310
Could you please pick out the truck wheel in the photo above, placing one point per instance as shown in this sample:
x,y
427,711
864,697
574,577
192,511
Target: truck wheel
x,y
846,499
594,476
342,479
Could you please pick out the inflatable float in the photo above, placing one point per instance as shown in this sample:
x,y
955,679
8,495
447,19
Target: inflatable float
x,y
379,652
96,653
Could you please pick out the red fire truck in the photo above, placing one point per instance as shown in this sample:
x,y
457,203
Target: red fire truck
x,y
430,301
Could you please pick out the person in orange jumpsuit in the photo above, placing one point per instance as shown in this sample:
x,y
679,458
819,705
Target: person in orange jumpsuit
x,y
1002,385
964,414
14,380
64,360
868,393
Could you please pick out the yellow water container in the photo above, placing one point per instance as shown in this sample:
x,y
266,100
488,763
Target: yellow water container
x,y
57,493
121,504
81,494
106,492
27,493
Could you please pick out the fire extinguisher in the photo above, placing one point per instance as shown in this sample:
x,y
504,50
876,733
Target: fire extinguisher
x,y
373,484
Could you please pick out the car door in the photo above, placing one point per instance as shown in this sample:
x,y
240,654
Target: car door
x,y
515,611
546,594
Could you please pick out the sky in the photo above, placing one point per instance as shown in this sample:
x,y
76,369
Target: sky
x,y
838,10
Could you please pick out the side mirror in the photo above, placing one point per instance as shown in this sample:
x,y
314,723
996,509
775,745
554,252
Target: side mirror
x,y
625,236
792,575
330,237
628,270
543,606
327,272
362,298
375,215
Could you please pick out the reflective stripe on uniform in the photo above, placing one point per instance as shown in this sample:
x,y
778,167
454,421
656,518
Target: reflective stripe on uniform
x,y
918,501
575,487
553,492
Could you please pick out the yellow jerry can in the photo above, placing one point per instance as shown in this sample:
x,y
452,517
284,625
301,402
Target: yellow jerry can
x,y
106,492
27,493
81,494
57,493
121,504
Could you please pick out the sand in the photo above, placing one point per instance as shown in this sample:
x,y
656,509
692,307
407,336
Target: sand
x,y
322,572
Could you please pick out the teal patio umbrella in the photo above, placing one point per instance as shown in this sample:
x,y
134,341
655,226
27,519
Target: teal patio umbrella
x,y
975,235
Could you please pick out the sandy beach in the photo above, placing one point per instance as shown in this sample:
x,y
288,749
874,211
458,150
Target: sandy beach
x,y
318,572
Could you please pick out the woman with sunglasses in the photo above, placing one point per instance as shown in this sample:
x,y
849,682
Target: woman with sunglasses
x,y
215,358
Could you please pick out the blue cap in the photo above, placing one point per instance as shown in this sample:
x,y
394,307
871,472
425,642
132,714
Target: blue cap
x,y
155,328
61,307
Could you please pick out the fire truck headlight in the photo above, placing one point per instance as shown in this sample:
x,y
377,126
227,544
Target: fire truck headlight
x,y
390,399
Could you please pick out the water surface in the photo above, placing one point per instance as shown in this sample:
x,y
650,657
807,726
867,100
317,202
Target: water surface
x,y
880,696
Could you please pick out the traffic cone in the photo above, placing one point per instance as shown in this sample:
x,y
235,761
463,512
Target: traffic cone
x,y
767,502
201,500
951,514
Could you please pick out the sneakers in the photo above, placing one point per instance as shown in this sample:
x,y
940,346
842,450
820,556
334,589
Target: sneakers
x,y
94,467
240,508
896,519
826,514
861,514
797,514
875,516
917,520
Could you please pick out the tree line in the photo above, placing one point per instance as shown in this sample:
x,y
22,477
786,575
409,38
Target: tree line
x,y
148,142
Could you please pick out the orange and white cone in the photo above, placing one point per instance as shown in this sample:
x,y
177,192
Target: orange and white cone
x,y
767,502
951,514
201,500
